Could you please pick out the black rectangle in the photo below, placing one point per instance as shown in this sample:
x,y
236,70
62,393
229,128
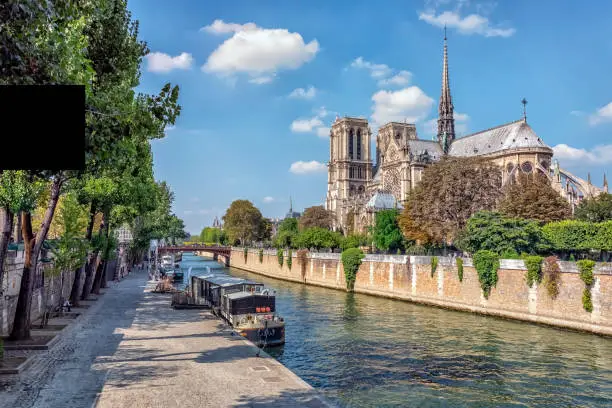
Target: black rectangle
x,y
43,127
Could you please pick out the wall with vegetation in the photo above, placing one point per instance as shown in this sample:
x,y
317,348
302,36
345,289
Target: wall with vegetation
x,y
413,278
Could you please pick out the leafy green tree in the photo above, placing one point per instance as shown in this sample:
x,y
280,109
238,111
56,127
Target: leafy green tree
x,y
210,235
354,241
597,209
386,232
316,216
242,221
318,238
494,232
570,235
533,198
287,233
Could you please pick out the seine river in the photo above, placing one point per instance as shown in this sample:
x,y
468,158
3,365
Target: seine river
x,y
363,351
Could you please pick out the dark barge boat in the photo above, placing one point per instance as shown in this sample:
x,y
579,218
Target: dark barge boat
x,y
247,306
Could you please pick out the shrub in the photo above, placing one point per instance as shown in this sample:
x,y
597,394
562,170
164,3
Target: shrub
x,y
261,256
510,254
486,263
434,265
460,269
416,250
552,272
585,267
534,269
353,241
246,254
302,256
279,255
351,260
289,259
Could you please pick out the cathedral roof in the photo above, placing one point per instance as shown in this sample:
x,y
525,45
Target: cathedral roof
x,y
513,135
383,201
420,146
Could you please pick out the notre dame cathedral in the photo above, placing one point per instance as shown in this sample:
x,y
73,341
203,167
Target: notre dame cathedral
x,y
357,189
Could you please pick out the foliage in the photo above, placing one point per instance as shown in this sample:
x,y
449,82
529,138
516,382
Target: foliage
x,y
510,254
243,221
411,231
19,191
261,256
386,232
316,216
302,256
585,266
287,233
572,258
280,253
70,251
434,265
595,209
533,198
351,260
534,269
603,236
289,259
416,250
486,263
245,251
353,241
450,192
552,274
317,237
460,269
570,235
495,232
210,235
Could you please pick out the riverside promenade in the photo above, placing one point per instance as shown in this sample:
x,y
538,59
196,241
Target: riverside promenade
x,y
133,350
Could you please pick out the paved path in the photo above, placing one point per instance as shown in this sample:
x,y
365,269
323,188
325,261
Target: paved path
x,y
133,350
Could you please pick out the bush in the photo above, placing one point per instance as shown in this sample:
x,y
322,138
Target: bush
x,y
318,238
587,301
279,256
434,265
534,269
585,267
261,256
460,269
415,250
353,241
351,260
289,259
510,254
486,264
552,272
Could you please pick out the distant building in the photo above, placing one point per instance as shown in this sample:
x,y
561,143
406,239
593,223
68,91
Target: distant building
x,y
124,234
217,223
291,213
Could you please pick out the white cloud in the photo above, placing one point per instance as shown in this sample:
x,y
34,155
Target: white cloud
x,y
261,80
312,125
410,104
168,128
163,63
301,93
187,212
400,79
470,24
576,113
602,115
302,167
601,154
376,70
461,126
268,199
256,51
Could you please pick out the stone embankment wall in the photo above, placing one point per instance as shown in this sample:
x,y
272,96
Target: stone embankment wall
x,y
47,294
409,278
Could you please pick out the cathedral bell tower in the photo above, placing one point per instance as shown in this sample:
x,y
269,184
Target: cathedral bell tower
x,y
446,120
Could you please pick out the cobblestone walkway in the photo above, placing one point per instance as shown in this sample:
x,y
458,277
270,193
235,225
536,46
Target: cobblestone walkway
x,y
133,350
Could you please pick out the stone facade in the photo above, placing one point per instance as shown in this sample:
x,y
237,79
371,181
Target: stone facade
x,y
354,180
409,278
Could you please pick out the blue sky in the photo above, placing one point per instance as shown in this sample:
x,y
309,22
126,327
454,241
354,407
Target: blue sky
x,y
248,131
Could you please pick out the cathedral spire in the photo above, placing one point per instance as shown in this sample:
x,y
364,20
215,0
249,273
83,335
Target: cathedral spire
x,y
446,121
605,184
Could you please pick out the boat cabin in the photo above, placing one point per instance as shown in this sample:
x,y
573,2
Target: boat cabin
x,y
242,303
212,288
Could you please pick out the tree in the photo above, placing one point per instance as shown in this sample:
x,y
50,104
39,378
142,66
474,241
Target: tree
x,y
411,230
595,209
317,237
210,235
450,191
287,233
265,229
492,231
242,221
533,198
316,216
386,232
354,241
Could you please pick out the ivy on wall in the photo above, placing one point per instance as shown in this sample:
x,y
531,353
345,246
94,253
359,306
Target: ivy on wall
x,y
486,263
460,269
261,256
585,266
246,254
552,274
302,256
534,269
434,265
279,256
351,260
289,259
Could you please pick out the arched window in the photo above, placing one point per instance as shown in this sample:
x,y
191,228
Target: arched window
x,y
361,189
351,172
527,167
358,144
510,167
350,143
545,164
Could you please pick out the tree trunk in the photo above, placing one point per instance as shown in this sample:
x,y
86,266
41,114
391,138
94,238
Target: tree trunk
x,y
74,293
21,326
6,226
18,237
97,284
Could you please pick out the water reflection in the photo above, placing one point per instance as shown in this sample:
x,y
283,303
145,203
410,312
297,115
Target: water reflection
x,y
364,351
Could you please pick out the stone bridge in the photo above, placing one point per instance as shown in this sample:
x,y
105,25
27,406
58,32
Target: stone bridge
x,y
215,250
